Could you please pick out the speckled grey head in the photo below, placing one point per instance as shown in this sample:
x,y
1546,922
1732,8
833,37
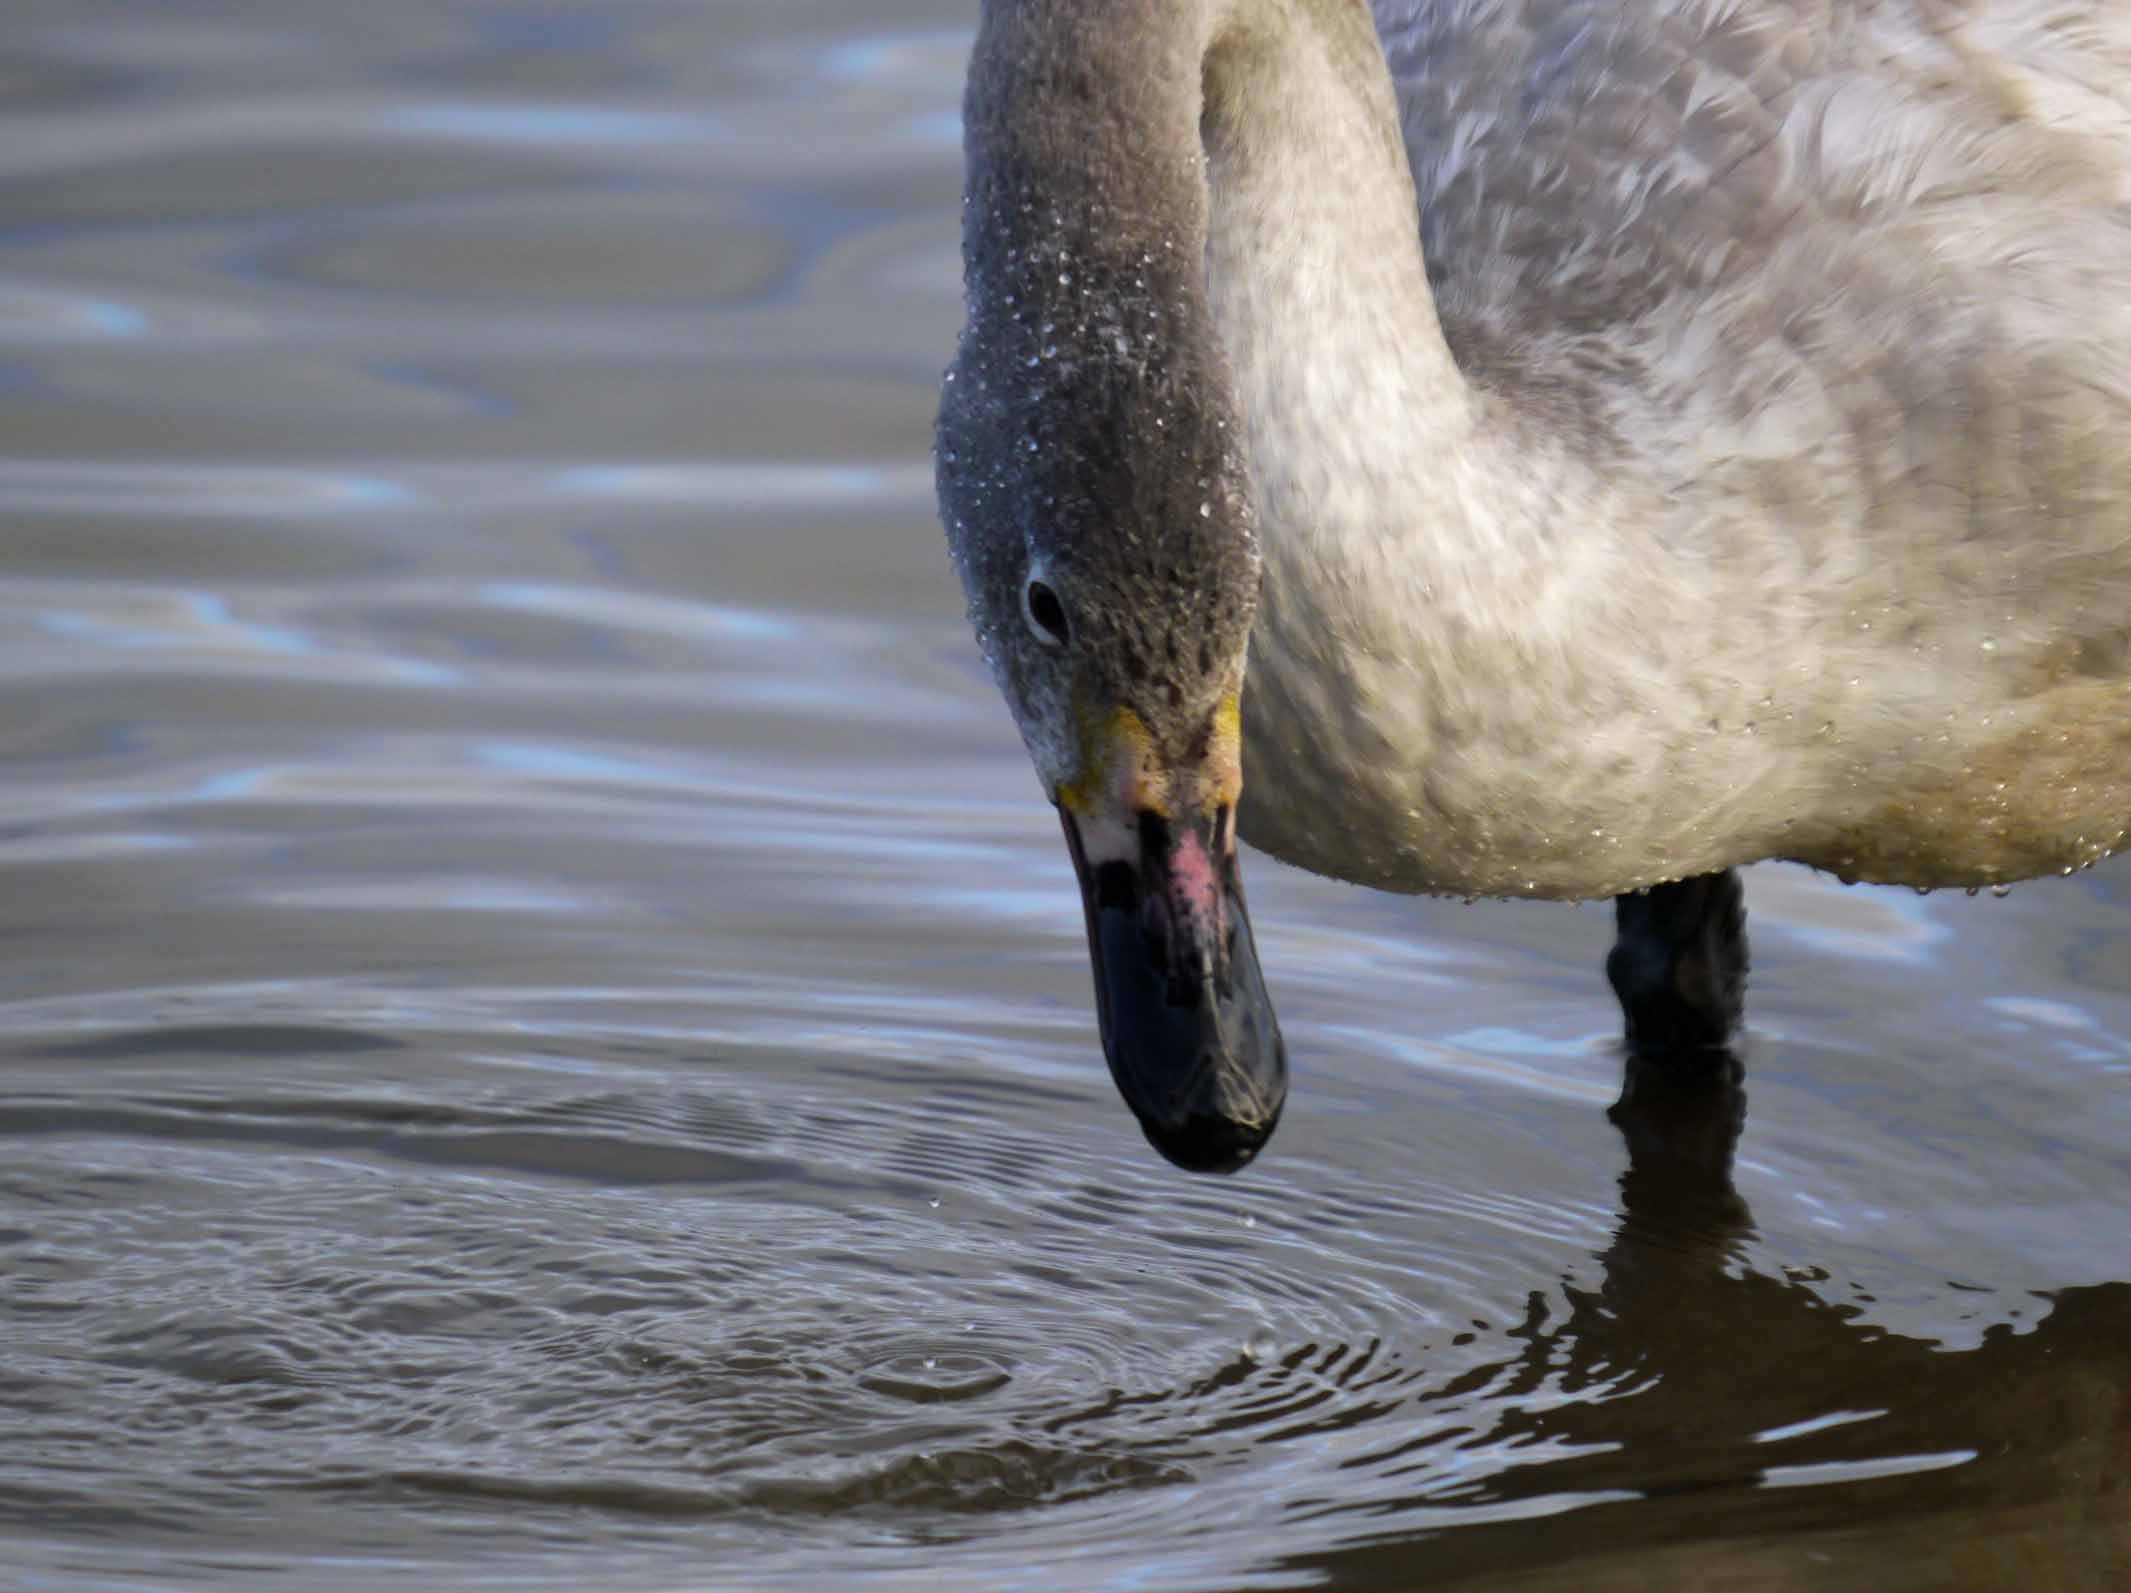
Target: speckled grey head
x,y
1086,440
1091,483
1093,496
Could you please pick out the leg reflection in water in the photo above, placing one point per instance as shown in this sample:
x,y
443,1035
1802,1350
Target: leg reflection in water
x,y
1681,1119
1740,1408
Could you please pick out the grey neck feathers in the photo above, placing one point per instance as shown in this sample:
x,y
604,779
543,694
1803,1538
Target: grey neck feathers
x,y
1085,175
1095,128
1236,167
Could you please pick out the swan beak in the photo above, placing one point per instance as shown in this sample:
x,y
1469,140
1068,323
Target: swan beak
x,y
1186,1024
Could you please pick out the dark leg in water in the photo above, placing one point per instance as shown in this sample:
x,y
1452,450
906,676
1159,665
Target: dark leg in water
x,y
1679,965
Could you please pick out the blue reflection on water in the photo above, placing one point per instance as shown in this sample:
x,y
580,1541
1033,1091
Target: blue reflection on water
x,y
2074,1034
866,59
548,762
211,610
231,785
541,123
543,597
372,490
214,629
37,313
940,127
119,320
1896,924
759,481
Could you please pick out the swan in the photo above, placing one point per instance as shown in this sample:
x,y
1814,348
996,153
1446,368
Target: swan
x,y
1561,449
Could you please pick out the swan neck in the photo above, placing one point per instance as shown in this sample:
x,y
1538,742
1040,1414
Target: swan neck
x,y
1085,177
1313,250
1118,130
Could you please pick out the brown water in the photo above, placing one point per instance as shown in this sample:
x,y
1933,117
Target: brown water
x,y
546,1034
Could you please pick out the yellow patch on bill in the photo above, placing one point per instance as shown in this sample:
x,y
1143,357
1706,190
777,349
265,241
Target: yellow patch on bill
x,y
1120,764
1112,744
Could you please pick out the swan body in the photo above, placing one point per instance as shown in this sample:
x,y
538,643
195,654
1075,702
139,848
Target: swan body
x,y
1587,446
1773,497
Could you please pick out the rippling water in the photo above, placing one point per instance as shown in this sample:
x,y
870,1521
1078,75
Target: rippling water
x,y
546,1031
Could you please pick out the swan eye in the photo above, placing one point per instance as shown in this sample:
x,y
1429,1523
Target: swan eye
x,y
1046,615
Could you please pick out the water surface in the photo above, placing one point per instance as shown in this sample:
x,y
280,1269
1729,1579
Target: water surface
x,y
544,1028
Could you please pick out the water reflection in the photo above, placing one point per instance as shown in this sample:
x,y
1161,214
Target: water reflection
x,y
31,312
1669,1399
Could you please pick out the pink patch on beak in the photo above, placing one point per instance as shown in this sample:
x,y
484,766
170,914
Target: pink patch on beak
x,y
1193,877
1194,902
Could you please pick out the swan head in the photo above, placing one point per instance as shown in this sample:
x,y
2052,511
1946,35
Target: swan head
x,y
1092,488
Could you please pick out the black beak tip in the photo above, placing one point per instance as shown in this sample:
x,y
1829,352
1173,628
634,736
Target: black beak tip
x,y
1208,1143
1199,1060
